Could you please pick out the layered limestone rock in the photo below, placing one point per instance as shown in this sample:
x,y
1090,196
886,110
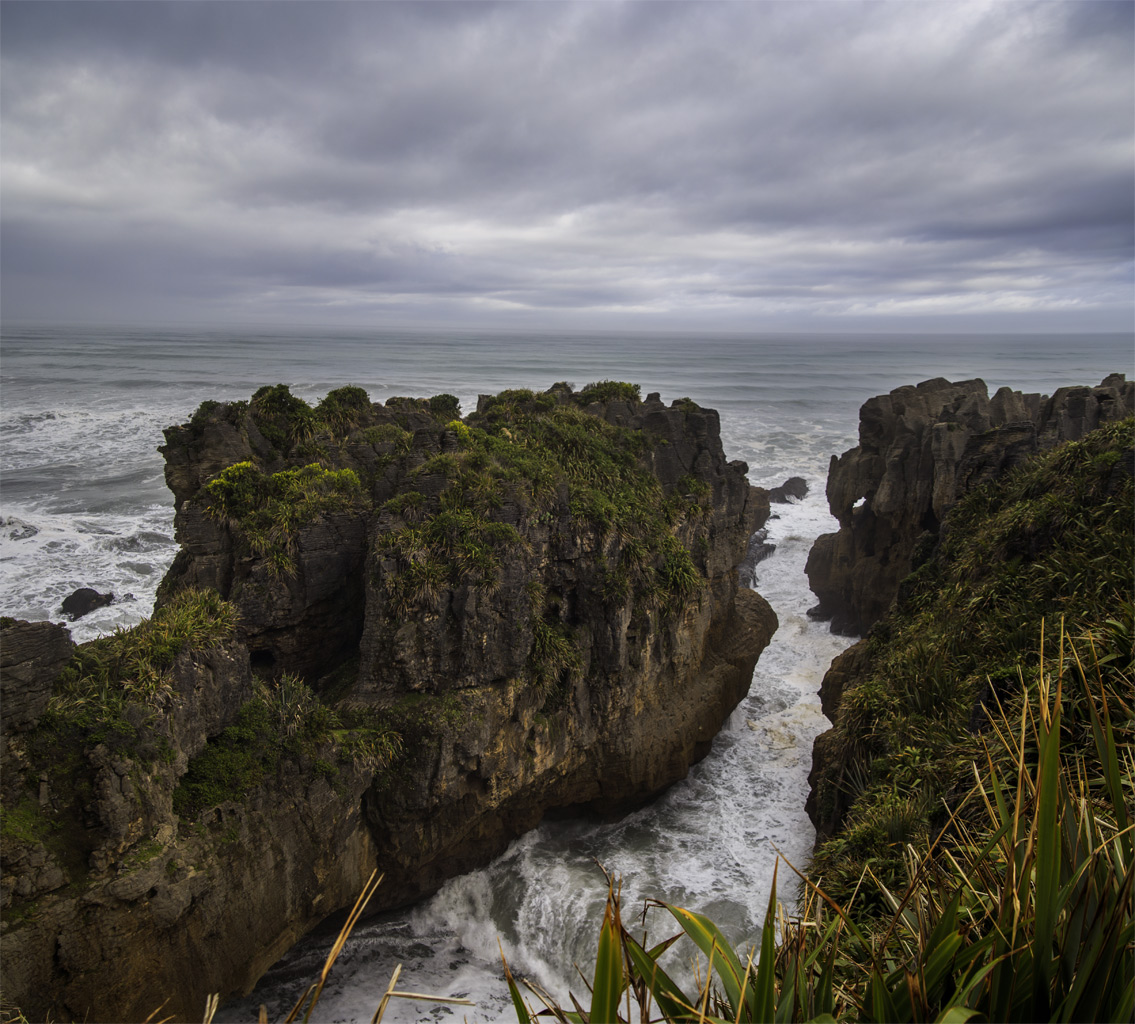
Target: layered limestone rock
x,y
1046,551
114,905
535,609
32,654
920,449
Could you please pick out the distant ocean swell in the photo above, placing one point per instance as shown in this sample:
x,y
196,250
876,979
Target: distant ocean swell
x,y
83,503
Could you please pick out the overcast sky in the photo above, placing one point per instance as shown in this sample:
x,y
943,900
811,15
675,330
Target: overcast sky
x,y
762,166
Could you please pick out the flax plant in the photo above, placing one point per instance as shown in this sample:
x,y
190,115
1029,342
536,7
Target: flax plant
x,y
1019,911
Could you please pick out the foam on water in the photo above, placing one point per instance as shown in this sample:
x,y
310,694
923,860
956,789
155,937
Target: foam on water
x,y
44,557
83,503
710,843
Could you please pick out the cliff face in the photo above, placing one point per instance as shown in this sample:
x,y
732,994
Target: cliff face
x,y
920,450
532,609
1027,569
574,616
114,902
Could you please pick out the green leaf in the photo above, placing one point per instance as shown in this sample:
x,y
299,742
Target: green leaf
x,y
1048,855
937,963
956,1015
879,1002
608,982
672,1001
522,1014
709,939
760,1006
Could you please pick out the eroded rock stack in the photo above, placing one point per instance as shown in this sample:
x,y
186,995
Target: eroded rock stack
x,y
539,603
920,449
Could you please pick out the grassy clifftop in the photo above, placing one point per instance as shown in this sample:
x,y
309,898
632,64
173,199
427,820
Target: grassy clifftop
x,y
1049,544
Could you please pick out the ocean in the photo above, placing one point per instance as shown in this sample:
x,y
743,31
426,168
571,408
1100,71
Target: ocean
x,y
83,503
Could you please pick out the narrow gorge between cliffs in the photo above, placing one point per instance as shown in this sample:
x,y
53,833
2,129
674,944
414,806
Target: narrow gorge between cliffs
x,y
786,406
709,842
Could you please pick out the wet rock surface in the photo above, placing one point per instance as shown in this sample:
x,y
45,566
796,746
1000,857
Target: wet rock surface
x,y
84,601
794,488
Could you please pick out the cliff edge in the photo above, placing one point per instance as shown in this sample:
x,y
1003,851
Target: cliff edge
x,y
393,637
1030,566
920,449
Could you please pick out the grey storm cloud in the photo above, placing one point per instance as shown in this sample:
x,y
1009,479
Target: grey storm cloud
x,y
728,164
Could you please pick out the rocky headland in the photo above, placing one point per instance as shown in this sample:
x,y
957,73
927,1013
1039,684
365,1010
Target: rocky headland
x,y
921,448
393,638
1014,514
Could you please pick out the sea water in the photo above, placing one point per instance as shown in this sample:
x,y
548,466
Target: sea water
x,y
83,503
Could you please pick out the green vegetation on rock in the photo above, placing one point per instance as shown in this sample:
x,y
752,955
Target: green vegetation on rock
x,y
270,509
609,391
986,747
131,666
535,461
283,720
281,417
453,547
1050,543
342,409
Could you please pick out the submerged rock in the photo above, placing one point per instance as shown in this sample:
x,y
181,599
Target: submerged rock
x,y
794,488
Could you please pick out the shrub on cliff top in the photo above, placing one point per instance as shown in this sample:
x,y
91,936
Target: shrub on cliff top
x,y
281,417
445,407
452,547
133,664
609,391
270,510
344,408
525,450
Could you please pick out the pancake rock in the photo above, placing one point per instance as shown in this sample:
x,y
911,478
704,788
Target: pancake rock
x,y
435,631
920,449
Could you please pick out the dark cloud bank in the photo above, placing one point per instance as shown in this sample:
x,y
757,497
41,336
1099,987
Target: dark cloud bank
x,y
757,166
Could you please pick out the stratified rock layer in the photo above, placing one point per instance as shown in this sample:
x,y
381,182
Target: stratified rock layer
x,y
114,906
31,656
146,907
920,449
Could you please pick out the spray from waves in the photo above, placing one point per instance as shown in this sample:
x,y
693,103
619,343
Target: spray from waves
x,y
709,843
84,437
45,557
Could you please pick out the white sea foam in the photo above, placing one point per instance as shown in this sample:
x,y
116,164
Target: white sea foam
x,y
710,842
83,503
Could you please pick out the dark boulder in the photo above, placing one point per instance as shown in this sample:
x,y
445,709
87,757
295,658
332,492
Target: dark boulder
x,y
83,602
794,488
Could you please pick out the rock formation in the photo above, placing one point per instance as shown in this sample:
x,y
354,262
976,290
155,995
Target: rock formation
x,y
32,654
920,449
532,609
1039,558
84,601
795,487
